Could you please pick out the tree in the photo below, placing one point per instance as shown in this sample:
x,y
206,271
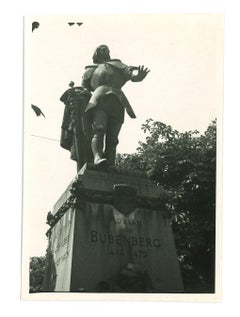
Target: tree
x,y
185,165
36,270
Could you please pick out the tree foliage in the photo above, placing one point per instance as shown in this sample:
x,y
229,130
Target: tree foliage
x,y
185,165
36,270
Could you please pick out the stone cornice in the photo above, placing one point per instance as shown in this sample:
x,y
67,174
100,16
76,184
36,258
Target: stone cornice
x,y
95,186
78,193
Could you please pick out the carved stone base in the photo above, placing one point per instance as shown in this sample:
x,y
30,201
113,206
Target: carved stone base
x,y
97,245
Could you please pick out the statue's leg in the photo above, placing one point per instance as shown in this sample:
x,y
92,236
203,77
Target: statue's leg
x,y
115,120
99,130
111,144
113,129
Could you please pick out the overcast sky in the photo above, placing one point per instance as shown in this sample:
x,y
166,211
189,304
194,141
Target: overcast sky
x,y
183,89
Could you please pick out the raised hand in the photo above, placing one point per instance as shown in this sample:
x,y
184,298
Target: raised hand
x,y
142,73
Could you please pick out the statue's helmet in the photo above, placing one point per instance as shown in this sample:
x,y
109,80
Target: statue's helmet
x,y
101,54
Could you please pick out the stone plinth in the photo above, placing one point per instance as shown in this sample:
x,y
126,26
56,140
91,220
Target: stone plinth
x,y
109,237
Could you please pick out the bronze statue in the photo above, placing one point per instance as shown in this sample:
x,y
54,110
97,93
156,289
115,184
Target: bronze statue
x,y
103,111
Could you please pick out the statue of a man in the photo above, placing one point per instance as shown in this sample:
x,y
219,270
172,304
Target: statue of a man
x,y
107,104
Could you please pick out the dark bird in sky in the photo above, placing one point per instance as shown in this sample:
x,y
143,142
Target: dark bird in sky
x,y
37,110
71,23
79,23
35,25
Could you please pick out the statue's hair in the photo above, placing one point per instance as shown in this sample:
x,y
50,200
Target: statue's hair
x,y
96,54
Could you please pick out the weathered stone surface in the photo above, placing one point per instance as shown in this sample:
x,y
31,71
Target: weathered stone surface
x,y
93,247
105,180
60,254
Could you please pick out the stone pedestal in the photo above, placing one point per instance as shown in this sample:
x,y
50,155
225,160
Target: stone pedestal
x,y
110,233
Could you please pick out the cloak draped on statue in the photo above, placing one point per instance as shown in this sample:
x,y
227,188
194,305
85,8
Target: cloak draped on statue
x,y
76,129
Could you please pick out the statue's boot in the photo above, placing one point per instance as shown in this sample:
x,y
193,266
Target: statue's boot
x,y
110,155
97,149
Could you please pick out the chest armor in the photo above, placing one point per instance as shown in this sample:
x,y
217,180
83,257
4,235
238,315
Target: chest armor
x,y
106,74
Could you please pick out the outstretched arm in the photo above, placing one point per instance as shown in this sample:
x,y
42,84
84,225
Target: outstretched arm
x,y
141,73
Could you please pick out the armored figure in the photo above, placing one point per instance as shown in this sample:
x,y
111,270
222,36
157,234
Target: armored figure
x,y
107,104
94,112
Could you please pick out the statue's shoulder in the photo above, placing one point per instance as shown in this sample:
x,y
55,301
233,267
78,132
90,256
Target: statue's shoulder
x,y
90,66
74,92
89,71
117,63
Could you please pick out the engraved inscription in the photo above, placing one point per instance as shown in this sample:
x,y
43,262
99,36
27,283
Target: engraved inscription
x,y
147,242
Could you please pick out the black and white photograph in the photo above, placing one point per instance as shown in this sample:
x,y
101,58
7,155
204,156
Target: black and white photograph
x,y
122,156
